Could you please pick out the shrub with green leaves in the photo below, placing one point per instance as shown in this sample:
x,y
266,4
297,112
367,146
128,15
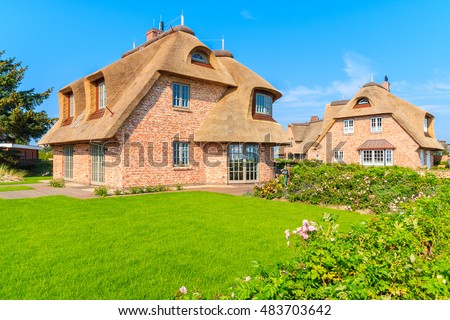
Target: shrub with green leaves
x,y
101,191
57,183
380,189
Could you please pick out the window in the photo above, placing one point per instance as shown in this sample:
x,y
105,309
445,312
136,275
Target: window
x,y
180,154
362,101
338,156
426,124
180,95
101,99
68,161
71,105
98,163
377,157
199,57
263,104
376,124
348,126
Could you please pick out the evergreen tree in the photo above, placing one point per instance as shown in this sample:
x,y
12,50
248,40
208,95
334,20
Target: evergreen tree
x,y
19,123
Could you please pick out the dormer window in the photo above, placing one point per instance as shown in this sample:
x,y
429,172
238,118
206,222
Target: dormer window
x,y
199,57
71,104
263,104
362,103
101,95
426,124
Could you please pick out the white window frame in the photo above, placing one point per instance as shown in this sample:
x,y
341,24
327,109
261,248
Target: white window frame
x,y
199,57
426,124
181,151
338,156
97,163
349,126
68,161
376,124
101,87
180,95
263,104
377,157
71,105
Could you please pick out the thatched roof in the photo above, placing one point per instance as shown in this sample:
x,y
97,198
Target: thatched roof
x,y
305,135
129,79
232,119
410,117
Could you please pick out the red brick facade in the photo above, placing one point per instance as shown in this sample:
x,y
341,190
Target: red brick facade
x,y
406,152
142,152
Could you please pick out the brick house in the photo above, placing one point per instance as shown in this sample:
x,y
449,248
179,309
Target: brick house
x,y
377,128
169,111
28,153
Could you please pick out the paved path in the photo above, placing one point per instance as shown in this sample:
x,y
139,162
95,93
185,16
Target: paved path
x,y
44,189
84,192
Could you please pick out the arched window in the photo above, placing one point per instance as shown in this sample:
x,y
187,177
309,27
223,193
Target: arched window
x,y
362,101
199,57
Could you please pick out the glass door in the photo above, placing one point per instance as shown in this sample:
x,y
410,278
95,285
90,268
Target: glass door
x,y
98,163
243,160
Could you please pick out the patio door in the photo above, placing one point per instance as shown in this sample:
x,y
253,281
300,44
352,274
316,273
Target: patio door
x,y
243,163
97,163
68,162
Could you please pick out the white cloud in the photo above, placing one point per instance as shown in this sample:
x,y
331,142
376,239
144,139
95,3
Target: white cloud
x,y
247,15
358,72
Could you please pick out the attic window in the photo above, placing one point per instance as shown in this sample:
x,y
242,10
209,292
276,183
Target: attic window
x,y
71,104
263,104
199,57
362,103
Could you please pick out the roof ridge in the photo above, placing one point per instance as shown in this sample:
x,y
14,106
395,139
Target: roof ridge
x,y
160,36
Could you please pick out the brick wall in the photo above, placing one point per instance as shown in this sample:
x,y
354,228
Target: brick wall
x,y
58,165
154,125
406,149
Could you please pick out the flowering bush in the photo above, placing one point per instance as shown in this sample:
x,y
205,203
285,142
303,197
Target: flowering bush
x,y
380,189
394,256
270,190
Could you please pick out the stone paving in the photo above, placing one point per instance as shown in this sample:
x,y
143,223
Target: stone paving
x,y
84,192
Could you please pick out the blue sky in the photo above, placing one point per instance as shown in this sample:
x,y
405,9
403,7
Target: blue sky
x,y
314,52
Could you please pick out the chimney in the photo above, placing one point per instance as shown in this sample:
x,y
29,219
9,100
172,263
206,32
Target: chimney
x,y
152,33
314,119
385,84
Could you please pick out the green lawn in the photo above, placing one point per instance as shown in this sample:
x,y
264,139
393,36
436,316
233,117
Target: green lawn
x,y
141,247
14,188
27,180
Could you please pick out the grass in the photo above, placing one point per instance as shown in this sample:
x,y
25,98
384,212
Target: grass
x,y
142,247
27,180
14,188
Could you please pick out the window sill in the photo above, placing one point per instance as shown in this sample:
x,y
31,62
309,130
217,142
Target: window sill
x,y
177,168
260,116
181,109
97,114
67,122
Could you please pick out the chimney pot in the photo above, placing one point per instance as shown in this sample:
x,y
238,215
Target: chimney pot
x,y
385,84
314,118
152,33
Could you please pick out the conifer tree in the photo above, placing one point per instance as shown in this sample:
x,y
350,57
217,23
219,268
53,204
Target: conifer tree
x,y
19,122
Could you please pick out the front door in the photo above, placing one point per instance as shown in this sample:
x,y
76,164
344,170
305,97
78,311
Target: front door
x,y
243,163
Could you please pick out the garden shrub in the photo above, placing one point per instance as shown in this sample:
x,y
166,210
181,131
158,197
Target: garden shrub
x,y
57,183
101,191
10,174
380,189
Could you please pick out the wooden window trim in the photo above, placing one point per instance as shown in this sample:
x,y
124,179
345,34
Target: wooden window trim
x,y
260,116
